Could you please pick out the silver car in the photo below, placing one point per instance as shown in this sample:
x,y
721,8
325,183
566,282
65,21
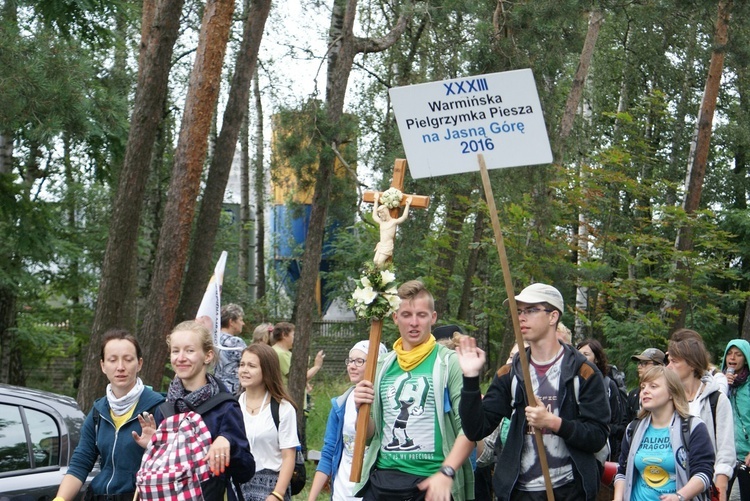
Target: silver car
x,y
38,433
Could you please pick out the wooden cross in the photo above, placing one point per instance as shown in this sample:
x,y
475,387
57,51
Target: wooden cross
x,y
376,327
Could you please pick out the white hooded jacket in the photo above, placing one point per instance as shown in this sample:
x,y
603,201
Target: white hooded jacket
x,y
721,432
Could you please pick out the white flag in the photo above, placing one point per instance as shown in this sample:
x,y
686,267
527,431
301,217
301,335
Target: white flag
x,y
211,304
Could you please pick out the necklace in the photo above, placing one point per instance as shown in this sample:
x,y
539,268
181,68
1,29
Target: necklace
x,y
254,410
253,432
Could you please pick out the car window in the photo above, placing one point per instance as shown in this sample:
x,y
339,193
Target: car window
x,y
14,452
45,438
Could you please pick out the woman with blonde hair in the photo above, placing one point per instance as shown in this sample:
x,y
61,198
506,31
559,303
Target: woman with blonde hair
x,y
262,333
192,353
273,445
655,462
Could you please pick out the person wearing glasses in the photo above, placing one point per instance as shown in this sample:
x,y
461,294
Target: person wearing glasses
x,y
649,358
569,406
338,444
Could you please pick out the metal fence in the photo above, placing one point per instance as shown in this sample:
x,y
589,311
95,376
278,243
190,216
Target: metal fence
x,y
335,338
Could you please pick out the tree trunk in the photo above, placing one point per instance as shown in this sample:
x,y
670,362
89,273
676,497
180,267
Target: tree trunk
x,y
7,331
260,197
471,268
115,286
596,18
745,326
201,262
243,264
174,237
343,47
699,149
448,250
6,153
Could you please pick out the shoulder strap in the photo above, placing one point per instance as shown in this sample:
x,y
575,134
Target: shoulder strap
x,y
97,417
713,400
685,429
584,371
630,429
168,408
275,412
212,402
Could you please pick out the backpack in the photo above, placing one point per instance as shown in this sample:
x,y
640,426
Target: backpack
x,y
622,395
618,377
299,475
175,463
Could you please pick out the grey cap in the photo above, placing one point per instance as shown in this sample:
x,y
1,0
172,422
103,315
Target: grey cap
x,y
541,293
651,354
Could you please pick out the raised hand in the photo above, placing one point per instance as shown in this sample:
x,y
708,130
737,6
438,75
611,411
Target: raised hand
x,y
148,428
470,358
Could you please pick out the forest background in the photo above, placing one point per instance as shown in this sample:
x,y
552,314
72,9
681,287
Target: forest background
x,y
119,122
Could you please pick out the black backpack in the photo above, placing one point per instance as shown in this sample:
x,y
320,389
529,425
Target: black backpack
x,y
299,475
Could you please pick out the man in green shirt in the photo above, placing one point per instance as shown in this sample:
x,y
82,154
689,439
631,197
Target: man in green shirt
x,y
417,448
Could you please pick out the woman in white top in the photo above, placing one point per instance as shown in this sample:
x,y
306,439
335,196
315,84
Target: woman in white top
x,y
338,444
274,450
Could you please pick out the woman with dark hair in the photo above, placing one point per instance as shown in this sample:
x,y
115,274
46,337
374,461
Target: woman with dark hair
x,y
656,462
689,360
734,364
594,353
109,430
274,447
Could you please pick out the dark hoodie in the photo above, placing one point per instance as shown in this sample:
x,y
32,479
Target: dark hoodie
x,y
584,427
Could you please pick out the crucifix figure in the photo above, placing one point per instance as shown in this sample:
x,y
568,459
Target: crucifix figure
x,y
388,225
389,222
384,253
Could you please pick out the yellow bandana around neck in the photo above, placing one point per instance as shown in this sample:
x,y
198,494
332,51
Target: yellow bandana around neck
x,y
408,360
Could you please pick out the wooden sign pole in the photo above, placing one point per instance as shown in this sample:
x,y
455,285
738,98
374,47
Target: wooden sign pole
x,y
376,327
514,316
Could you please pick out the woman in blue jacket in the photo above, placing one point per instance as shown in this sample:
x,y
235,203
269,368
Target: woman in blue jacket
x,y
656,463
338,445
107,431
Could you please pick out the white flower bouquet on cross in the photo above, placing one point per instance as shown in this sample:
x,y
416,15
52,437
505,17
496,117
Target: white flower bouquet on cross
x,y
391,198
375,296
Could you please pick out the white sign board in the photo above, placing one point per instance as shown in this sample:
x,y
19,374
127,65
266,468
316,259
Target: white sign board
x,y
444,125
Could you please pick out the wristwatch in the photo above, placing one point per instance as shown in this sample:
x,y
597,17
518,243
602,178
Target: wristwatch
x,y
451,473
680,496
